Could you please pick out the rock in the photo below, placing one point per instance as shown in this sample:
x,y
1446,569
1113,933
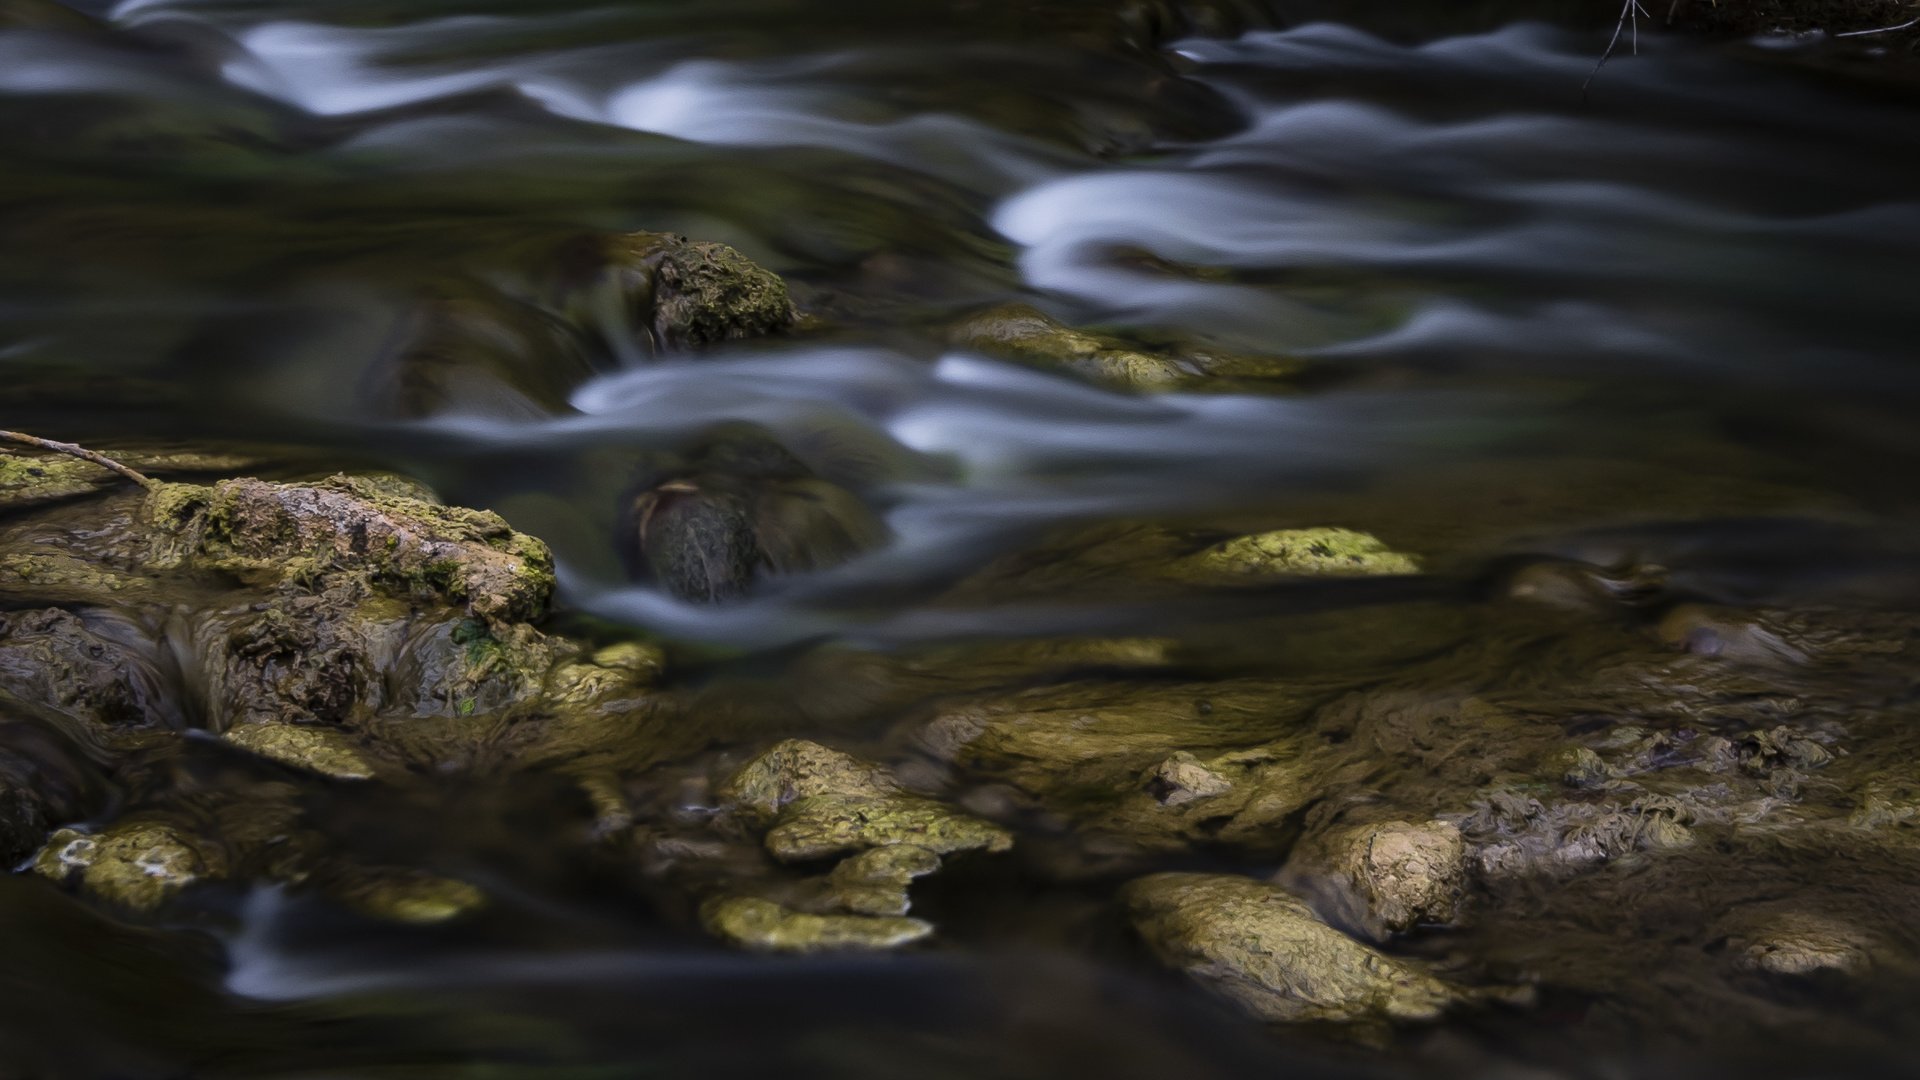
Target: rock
x,y
1182,779
822,825
1026,335
684,294
266,533
1148,766
766,926
1579,767
1390,877
1334,552
30,479
875,882
136,864
1265,950
735,507
467,348
409,896
796,769
303,746
1788,943
53,657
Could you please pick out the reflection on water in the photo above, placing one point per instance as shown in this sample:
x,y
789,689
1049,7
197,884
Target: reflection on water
x,y
1530,322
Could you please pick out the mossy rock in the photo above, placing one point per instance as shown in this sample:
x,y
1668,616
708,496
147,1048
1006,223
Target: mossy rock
x,y
1265,950
29,479
304,746
1322,552
407,896
1025,335
796,769
765,926
266,533
876,882
822,825
135,864
685,294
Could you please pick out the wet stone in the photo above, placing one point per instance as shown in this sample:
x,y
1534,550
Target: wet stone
x,y
1265,950
53,657
762,925
875,882
822,825
1326,551
136,864
1394,876
690,293
1182,779
796,769
409,896
1796,944
269,533
304,746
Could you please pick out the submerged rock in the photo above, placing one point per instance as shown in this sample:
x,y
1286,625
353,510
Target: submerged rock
x,y
815,802
1793,944
822,825
304,746
29,479
797,769
466,347
407,896
53,657
1026,335
807,803
136,864
875,882
1296,551
733,509
763,925
1387,878
1265,950
1148,766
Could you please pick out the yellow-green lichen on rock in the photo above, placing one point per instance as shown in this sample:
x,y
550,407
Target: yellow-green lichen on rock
x,y
409,896
691,293
304,746
267,533
1026,335
1265,950
876,882
762,925
822,825
796,769
136,864
1316,552
28,479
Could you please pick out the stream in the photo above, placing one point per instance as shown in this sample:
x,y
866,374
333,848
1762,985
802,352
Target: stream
x,y
1659,328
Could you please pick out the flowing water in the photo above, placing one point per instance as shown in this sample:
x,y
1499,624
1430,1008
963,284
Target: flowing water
x,y
1669,318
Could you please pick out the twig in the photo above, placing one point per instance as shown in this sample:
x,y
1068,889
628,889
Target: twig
x,y
80,452
1630,12
1882,30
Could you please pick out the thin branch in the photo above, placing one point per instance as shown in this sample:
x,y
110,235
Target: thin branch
x,y
1882,30
80,452
1630,12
